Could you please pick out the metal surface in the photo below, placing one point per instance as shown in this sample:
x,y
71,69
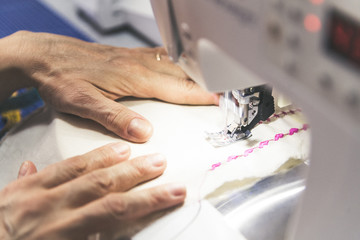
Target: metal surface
x,y
292,45
262,211
243,109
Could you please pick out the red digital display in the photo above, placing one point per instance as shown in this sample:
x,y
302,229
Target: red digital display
x,y
344,37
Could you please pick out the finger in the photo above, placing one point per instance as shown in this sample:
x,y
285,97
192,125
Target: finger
x,y
72,168
108,212
121,120
179,90
158,60
118,178
88,102
27,168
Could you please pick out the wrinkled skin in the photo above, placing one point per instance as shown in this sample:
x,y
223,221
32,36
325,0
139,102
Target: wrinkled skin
x,y
87,194
84,79
83,195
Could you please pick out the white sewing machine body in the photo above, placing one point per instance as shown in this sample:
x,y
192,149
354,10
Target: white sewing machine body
x,y
310,51
108,15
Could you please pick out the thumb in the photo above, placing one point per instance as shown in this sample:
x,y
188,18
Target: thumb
x,y
27,168
122,121
89,102
181,91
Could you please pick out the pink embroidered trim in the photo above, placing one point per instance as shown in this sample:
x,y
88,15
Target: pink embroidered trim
x,y
261,145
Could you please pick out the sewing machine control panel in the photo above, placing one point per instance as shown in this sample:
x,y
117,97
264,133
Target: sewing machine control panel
x,y
317,42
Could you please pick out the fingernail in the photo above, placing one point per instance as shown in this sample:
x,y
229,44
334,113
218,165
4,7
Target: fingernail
x,y
139,128
157,160
24,169
120,148
177,190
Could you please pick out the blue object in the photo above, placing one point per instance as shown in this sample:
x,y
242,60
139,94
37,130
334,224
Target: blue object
x,y
31,15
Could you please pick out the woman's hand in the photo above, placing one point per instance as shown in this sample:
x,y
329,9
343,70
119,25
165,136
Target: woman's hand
x,y
80,196
84,79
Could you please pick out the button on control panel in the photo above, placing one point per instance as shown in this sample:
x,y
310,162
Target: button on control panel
x,y
317,43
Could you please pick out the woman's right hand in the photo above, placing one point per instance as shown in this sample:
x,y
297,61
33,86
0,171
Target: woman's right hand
x,y
83,195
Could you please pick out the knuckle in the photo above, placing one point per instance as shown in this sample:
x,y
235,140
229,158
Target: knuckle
x,y
159,197
101,182
80,97
21,208
141,169
187,84
78,167
156,200
111,117
63,97
116,206
103,156
112,120
31,205
117,120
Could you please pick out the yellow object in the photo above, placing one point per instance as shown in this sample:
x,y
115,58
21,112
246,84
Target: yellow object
x,y
12,118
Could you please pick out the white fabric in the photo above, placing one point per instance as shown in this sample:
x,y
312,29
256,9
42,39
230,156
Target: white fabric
x,y
178,134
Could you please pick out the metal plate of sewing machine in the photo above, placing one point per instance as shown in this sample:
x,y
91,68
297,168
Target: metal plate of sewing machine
x,y
262,209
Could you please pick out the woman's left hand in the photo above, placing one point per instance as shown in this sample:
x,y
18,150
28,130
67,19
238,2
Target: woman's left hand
x,y
84,79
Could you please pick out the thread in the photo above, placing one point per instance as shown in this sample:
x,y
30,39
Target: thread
x,y
234,157
261,145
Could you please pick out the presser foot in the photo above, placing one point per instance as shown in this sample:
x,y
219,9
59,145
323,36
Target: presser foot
x,y
225,137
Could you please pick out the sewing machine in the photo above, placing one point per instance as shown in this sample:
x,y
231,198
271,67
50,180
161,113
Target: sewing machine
x,y
228,45
109,15
309,50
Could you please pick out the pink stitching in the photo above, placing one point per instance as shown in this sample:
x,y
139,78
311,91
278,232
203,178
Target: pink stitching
x,y
293,130
278,136
232,158
264,143
248,151
261,145
214,166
